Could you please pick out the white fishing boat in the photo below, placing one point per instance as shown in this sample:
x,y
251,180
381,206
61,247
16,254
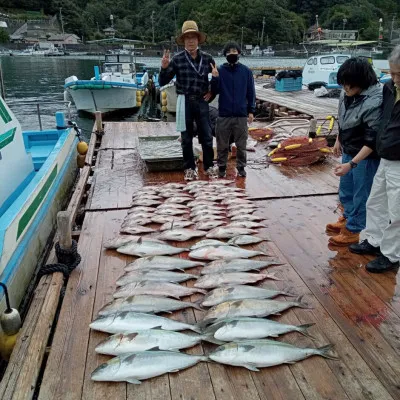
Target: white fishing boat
x,y
37,170
268,52
118,86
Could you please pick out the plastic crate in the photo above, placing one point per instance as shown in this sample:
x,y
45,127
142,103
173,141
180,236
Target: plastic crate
x,y
289,84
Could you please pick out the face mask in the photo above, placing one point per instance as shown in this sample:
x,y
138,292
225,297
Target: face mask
x,y
232,58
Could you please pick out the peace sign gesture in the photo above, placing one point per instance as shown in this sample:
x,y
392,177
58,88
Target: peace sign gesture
x,y
214,70
165,59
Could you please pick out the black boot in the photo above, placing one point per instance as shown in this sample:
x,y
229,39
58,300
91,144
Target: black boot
x,y
221,172
365,248
381,264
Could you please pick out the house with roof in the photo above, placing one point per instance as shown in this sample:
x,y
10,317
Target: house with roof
x,y
64,39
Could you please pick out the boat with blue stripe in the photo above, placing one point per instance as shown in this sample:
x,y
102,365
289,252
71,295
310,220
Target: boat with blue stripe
x,y
118,86
37,171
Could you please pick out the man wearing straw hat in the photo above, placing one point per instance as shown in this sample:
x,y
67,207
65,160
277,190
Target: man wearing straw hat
x,y
191,68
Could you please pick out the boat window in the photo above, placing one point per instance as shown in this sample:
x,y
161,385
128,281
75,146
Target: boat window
x,y
315,61
327,60
112,68
341,59
310,61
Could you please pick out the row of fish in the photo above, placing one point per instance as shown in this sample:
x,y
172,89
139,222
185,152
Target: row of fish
x,y
148,345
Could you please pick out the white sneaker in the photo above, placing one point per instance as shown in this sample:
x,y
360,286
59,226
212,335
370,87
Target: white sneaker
x,y
190,174
212,172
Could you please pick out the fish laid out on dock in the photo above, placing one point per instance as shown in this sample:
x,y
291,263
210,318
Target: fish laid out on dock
x,y
156,288
129,321
254,354
240,292
230,278
146,304
250,308
147,345
156,275
133,367
151,339
235,329
161,263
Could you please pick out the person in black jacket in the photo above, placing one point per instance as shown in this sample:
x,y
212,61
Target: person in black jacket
x,y
359,119
382,234
234,83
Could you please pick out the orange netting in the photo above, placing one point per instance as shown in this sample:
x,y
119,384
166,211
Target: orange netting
x,y
300,151
261,134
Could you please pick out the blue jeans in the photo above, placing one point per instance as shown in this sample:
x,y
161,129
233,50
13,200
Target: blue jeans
x,y
196,110
354,190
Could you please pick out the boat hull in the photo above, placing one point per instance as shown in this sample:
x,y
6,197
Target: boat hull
x,y
105,100
170,90
25,238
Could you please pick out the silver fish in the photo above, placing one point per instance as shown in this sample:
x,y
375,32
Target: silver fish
x,y
129,321
178,200
162,219
146,202
265,353
201,202
180,235
228,233
208,242
208,225
146,197
171,193
121,240
174,185
232,330
172,205
150,339
136,229
243,240
161,263
250,308
150,188
141,209
206,207
194,214
156,275
246,224
223,252
175,225
208,217
170,211
134,220
154,288
244,210
247,217
237,265
208,198
149,304
230,278
229,200
240,292
145,248
139,214
134,367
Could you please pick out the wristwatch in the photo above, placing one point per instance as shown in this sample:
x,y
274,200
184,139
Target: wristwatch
x,y
353,164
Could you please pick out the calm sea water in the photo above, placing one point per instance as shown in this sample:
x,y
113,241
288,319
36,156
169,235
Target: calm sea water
x,y
40,80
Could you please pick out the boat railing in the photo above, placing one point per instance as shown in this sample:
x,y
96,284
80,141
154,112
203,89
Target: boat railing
x,y
68,106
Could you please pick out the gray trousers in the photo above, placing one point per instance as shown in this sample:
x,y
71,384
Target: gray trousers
x,y
237,127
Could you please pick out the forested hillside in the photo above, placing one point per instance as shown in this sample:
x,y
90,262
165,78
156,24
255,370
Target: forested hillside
x,y
285,20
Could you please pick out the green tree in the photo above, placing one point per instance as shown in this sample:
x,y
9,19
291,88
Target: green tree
x,y
4,37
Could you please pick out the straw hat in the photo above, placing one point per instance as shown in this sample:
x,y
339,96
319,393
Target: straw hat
x,y
190,27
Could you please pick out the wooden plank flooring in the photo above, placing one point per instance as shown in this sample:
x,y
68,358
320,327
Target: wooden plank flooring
x,y
358,312
302,101
119,171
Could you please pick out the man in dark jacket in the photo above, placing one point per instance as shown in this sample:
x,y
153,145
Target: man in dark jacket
x,y
191,68
382,234
234,83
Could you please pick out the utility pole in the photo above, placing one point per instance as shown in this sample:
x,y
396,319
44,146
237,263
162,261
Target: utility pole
x,y
241,42
176,27
392,28
152,24
61,20
344,26
262,32
380,36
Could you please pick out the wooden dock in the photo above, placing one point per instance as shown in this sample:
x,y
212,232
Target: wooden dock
x,y
358,312
303,102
